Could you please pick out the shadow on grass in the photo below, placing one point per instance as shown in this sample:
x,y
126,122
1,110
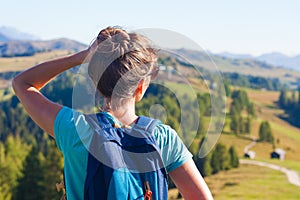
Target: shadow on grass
x,y
271,106
230,184
286,118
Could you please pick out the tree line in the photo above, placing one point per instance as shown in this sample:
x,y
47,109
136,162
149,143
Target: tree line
x,y
254,82
241,114
219,159
30,163
289,101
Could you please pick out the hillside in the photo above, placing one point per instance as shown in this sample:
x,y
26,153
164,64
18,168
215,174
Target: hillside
x,y
16,48
4,38
242,65
292,62
189,59
274,58
194,64
14,34
258,182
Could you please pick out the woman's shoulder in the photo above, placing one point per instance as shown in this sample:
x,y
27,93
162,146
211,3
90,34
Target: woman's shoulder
x,y
70,125
164,134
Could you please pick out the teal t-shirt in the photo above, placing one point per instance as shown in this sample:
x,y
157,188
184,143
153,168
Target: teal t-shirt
x,y
73,135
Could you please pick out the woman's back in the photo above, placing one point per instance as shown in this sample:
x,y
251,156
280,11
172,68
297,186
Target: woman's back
x,y
121,65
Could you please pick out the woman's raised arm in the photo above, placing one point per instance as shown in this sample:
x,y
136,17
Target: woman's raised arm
x,y
28,83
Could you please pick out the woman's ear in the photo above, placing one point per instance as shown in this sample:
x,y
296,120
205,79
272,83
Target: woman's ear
x,y
141,89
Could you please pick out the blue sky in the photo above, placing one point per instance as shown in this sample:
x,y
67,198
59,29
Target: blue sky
x,y
255,27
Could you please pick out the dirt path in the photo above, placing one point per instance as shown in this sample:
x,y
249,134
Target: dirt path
x,y
293,176
253,143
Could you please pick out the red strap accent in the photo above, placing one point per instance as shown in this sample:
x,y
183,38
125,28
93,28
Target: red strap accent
x,y
148,195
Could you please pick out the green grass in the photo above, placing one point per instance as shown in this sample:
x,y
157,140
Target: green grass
x,y
239,143
21,63
252,182
289,164
181,89
287,131
286,136
249,182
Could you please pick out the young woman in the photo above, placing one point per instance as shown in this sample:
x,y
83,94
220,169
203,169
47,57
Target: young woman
x,y
121,67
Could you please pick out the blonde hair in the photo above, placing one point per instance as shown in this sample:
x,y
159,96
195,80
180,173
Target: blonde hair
x,y
120,62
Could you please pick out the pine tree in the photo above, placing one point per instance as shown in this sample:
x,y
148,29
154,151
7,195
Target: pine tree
x,y
265,132
53,173
251,110
201,127
283,99
294,99
30,184
234,124
234,159
215,163
11,165
241,124
220,159
5,188
240,97
248,125
227,89
223,156
203,164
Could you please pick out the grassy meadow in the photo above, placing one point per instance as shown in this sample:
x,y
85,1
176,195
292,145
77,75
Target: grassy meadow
x,y
254,182
21,63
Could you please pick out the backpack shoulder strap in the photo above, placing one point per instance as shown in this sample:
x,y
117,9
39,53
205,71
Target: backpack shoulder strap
x,y
144,127
97,121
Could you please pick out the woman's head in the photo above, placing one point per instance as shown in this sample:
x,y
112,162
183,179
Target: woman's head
x,y
122,60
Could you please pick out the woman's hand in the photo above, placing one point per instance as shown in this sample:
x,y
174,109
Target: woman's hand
x,y
90,51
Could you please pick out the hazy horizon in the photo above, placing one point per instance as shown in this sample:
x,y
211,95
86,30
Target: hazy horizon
x,y
255,27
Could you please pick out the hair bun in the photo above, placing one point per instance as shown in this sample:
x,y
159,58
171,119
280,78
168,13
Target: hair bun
x,y
113,42
121,60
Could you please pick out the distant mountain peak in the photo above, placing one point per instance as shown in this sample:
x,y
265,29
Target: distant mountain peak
x,y
235,56
4,38
13,34
273,58
280,59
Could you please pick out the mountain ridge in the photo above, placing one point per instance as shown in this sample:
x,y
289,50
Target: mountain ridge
x,y
14,34
4,38
273,58
17,48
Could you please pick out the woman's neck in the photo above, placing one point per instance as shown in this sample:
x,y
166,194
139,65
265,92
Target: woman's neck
x,y
125,114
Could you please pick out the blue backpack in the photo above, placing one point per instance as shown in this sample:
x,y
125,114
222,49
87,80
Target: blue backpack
x,y
124,163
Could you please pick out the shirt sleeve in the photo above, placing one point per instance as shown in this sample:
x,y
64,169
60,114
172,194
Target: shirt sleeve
x,y
174,152
71,130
